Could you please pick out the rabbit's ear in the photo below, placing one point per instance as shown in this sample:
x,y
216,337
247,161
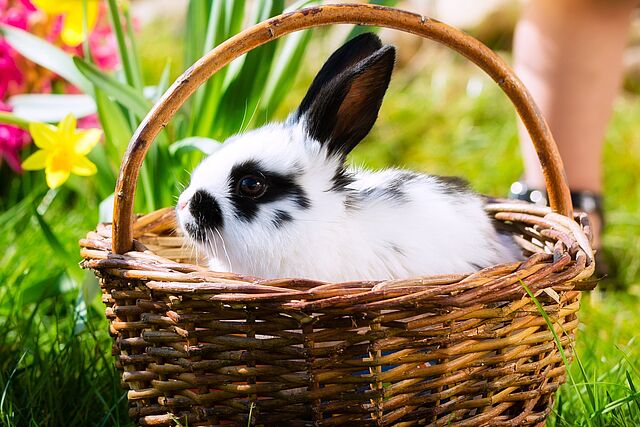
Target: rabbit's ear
x,y
352,52
342,112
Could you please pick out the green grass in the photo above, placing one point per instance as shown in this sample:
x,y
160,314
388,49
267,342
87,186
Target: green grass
x,y
609,379
56,369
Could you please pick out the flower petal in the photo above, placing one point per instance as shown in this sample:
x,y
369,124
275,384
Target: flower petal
x,y
86,140
44,135
37,160
51,7
67,128
72,27
84,167
55,178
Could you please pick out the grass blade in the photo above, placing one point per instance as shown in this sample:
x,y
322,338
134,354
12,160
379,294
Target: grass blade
x,y
163,83
234,16
245,89
116,127
196,29
133,51
125,95
560,349
284,71
51,238
632,387
123,50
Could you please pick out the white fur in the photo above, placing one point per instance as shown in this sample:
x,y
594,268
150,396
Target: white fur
x,y
432,232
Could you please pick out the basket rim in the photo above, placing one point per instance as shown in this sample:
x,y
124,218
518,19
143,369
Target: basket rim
x,y
566,266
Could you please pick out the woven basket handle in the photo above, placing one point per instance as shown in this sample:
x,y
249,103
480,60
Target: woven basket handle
x,y
362,14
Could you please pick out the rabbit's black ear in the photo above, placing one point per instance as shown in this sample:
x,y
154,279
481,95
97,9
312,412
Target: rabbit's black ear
x,y
352,52
342,112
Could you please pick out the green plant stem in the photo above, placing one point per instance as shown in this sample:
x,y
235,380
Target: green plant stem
x,y
122,46
135,62
12,119
85,30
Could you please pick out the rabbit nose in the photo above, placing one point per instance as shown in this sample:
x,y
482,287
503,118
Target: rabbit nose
x,y
182,202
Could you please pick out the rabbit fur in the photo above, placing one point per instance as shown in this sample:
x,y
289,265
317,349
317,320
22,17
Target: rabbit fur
x,y
279,201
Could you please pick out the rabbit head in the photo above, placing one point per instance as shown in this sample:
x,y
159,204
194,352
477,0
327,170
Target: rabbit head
x,y
265,188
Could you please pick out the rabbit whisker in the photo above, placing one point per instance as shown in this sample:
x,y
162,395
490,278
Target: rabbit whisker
x,y
224,247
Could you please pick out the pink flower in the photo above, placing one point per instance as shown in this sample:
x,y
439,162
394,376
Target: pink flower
x,y
15,16
102,43
88,122
11,74
27,5
19,75
12,140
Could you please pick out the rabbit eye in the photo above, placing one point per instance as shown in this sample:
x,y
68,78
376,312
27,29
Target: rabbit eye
x,y
253,186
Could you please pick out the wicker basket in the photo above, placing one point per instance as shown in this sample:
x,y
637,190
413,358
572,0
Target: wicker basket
x,y
203,348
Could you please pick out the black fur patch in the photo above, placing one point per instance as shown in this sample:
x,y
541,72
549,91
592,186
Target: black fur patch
x,y
454,185
352,52
279,187
281,218
393,190
344,99
477,266
341,180
206,212
395,248
194,232
396,188
394,193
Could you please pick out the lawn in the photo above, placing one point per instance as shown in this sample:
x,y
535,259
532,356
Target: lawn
x,y
443,117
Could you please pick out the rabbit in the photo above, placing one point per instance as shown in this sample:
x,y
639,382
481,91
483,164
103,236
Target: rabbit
x,y
279,201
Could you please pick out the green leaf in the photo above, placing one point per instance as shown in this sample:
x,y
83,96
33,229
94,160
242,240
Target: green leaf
x,y
234,17
46,55
53,241
125,95
196,30
39,290
12,119
242,95
283,73
215,26
116,127
126,53
133,50
301,4
52,108
163,83
632,387
206,100
204,145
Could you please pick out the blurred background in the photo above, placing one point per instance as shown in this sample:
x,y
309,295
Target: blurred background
x,y
442,115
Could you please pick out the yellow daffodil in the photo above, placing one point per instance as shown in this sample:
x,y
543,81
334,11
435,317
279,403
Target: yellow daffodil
x,y
63,150
72,25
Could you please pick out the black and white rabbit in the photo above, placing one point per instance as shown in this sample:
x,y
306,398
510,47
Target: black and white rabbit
x,y
279,201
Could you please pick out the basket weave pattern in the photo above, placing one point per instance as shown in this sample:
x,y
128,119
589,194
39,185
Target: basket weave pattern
x,y
459,350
